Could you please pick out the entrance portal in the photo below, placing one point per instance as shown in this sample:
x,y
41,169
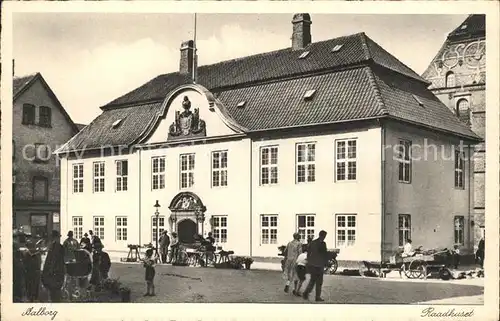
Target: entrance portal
x,y
186,230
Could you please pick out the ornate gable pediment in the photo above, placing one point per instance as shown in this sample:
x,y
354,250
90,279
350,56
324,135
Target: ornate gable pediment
x,y
186,202
187,124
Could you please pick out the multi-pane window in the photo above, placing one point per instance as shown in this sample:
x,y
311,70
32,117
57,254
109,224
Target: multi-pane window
x,y
158,172
98,177
269,165
459,230
121,228
40,188
269,229
28,114
161,227
187,170
77,178
41,152
346,230
121,175
404,228
219,228
219,168
305,226
345,160
45,116
306,162
78,227
99,226
459,169
404,160
450,79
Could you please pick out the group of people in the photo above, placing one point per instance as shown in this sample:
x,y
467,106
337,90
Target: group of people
x,y
302,259
27,264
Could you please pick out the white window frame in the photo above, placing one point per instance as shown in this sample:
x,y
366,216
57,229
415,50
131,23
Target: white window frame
x,y
349,229
161,227
268,229
219,168
158,172
459,229
404,158
78,178
346,163
404,228
186,177
309,229
77,226
121,178
98,226
269,165
306,163
459,174
99,179
121,228
219,228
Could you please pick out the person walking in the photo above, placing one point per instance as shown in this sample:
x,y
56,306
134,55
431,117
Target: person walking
x,y
54,269
174,247
164,244
293,249
316,261
300,270
32,260
149,265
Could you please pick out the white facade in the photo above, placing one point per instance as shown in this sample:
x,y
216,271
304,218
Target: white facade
x,y
322,203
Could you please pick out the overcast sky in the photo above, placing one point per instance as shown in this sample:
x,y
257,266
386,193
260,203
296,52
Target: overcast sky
x,y
91,59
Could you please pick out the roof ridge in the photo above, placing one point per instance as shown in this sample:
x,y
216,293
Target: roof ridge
x,y
376,89
364,44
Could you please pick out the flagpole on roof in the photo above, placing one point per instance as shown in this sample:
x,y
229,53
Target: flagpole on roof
x,y
195,58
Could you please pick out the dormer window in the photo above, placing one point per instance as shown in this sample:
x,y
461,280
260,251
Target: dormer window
x,y
417,99
309,94
304,54
117,123
241,104
337,47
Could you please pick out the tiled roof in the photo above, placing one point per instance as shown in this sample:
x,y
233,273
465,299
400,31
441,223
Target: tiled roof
x,y
356,49
282,104
100,131
18,83
402,101
473,26
363,88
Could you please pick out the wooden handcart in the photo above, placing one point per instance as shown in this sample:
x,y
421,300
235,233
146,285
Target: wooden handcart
x,y
415,267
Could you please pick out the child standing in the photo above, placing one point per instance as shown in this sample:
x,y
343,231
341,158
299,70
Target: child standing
x,y
150,273
301,270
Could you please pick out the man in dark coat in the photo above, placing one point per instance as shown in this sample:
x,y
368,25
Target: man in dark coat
x,y
480,253
18,272
32,260
85,243
54,269
164,244
94,239
316,261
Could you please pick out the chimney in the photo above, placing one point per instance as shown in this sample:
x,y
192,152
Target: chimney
x,y
187,58
301,36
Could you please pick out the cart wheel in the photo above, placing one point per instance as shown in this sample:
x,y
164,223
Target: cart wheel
x,y
416,269
332,266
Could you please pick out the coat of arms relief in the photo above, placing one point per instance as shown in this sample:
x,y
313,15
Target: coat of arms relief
x,y
187,123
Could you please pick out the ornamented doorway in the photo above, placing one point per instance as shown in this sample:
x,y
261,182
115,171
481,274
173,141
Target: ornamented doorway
x,y
187,229
187,216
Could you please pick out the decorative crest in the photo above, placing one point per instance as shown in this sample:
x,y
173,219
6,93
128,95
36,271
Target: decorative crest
x,y
187,123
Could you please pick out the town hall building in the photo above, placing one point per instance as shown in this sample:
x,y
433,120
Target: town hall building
x,y
319,136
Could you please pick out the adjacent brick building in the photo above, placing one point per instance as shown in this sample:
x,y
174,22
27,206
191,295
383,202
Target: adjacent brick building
x,y
40,124
458,77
